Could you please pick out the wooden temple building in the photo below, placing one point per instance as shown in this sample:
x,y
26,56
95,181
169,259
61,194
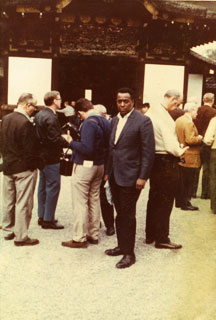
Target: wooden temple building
x,y
105,44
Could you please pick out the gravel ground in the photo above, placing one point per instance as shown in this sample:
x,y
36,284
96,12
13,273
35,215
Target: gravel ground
x,y
49,282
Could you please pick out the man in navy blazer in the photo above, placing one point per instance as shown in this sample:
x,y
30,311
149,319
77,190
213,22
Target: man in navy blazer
x,y
48,131
131,155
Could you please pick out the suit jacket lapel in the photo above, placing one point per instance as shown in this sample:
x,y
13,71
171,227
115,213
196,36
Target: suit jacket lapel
x,y
113,132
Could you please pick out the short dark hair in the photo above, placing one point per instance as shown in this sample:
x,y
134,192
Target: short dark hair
x,y
83,105
143,105
50,96
126,90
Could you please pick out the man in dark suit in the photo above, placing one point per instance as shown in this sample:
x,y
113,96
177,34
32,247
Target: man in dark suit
x,y
20,163
205,113
131,156
49,133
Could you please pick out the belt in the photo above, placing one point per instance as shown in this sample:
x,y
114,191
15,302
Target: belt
x,y
166,157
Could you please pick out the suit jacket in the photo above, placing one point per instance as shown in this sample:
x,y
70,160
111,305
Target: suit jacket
x,y
133,155
19,145
204,115
188,136
48,131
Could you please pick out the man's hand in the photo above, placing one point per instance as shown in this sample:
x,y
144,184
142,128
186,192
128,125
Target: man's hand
x,y
140,184
105,177
184,149
67,136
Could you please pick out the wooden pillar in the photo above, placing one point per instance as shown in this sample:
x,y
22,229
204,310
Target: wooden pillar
x,y
139,81
4,80
185,88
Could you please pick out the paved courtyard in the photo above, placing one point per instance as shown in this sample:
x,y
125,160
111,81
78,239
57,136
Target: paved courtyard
x,y
49,282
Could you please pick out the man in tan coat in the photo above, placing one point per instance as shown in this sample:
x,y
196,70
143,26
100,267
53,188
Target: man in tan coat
x,y
188,136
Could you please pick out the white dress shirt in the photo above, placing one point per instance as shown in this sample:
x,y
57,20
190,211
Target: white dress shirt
x,y
121,123
68,111
166,141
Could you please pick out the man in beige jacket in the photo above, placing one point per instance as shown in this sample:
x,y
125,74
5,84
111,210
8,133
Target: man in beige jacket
x,y
188,136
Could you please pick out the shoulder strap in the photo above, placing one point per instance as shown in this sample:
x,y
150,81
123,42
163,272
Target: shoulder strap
x,y
95,121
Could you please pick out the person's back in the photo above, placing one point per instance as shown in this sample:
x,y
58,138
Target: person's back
x,y
14,127
205,113
49,133
94,140
88,156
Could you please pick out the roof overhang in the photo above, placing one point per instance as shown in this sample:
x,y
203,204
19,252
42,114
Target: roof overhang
x,y
206,52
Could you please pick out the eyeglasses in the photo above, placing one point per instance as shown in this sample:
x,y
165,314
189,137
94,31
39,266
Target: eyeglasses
x,y
58,98
33,105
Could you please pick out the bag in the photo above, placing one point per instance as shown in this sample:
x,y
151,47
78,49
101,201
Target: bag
x,y
66,166
108,193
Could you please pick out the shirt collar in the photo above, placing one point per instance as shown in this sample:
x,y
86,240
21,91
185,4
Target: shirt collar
x,y
52,110
164,108
20,110
188,115
126,116
91,112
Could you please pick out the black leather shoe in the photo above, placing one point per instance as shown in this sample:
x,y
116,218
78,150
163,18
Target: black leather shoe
x,y
10,236
191,208
167,245
27,242
40,221
110,231
51,225
91,240
126,261
114,252
149,240
205,196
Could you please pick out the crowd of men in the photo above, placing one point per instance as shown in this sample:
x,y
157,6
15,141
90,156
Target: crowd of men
x,y
120,153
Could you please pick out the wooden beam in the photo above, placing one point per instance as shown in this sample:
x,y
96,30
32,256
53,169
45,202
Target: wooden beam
x,y
151,8
62,4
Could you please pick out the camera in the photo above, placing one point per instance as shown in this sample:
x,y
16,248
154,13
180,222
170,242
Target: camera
x,y
74,127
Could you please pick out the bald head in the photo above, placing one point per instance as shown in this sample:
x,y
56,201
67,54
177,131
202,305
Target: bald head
x,y
172,99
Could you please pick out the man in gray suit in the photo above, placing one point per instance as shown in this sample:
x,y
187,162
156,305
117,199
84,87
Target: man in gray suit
x,y
131,156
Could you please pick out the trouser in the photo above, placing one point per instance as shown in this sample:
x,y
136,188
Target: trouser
x,y
107,209
48,191
205,160
195,182
125,199
86,201
18,192
185,186
212,171
163,185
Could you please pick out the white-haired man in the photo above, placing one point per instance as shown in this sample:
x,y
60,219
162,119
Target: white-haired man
x,y
102,111
165,174
20,162
188,136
